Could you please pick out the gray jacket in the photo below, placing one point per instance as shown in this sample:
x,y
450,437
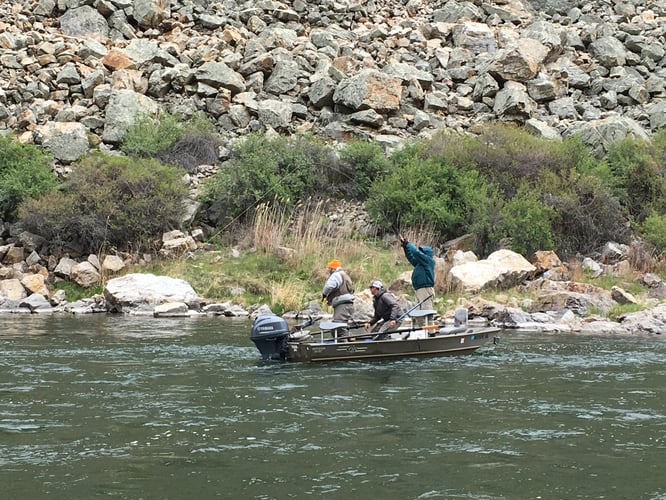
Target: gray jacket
x,y
338,288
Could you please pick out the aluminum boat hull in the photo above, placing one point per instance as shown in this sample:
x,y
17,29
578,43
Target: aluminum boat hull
x,y
417,344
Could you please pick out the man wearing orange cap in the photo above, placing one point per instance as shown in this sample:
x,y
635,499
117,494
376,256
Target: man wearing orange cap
x,y
339,292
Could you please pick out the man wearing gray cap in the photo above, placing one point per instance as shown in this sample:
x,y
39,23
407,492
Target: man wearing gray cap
x,y
386,309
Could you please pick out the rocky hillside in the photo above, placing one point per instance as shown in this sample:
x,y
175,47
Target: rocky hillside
x,y
74,73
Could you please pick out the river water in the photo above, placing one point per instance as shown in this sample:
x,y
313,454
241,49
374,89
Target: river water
x,y
143,408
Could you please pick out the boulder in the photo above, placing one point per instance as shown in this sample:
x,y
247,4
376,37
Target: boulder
x,y
171,310
85,274
113,264
502,269
37,303
12,289
137,291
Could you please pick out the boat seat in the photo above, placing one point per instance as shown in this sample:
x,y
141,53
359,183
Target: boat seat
x,y
420,313
332,325
425,315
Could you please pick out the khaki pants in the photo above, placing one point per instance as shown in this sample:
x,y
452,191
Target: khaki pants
x,y
421,294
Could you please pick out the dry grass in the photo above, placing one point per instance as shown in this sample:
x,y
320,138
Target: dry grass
x,y
270,225
576,271
289,295
308,229
641,258
423,235
287,268
307,232
313,241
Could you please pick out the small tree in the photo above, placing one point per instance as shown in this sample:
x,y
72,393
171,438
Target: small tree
x,y
653,231
361,163
639,175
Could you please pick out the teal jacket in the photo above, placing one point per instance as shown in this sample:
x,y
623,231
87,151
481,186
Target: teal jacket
x,y
421,258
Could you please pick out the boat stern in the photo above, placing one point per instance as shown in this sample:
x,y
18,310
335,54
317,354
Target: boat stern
x,y
270,334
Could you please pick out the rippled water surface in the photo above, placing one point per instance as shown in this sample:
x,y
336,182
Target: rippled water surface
x,y
110,406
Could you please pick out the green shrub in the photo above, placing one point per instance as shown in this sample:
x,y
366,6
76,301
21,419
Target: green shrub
x,y
361,163
185,144
527,221
427,193
653,231
659,145
149,136
109,200
505,155
263,169
24,172
191,150
640,178
586,214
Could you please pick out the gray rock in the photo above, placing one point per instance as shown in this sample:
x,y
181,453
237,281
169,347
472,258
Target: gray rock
x,y
121,112
67,141
283,78
218,74
600,134
136,291
36,303
274,113
609,51
370,89
513,102
151,13
83,21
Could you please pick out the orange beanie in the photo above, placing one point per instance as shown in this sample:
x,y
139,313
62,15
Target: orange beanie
x,y
334,264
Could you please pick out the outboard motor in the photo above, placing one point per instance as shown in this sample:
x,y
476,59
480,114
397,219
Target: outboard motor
x,y
270,334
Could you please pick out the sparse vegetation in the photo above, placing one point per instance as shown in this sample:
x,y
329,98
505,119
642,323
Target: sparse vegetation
x,y
500,185
74,292
150,135
185,144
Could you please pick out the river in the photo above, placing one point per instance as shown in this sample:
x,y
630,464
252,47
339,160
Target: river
x,y
142,408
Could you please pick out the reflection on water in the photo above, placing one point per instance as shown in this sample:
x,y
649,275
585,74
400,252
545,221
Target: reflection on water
x,y
176,408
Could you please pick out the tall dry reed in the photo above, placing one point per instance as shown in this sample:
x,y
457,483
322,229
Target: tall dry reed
x,y
270,225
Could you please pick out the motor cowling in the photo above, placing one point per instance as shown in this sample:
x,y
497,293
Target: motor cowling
x,y
270,334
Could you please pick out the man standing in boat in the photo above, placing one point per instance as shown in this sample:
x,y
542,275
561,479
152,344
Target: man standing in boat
x,y
423,275
338,292
386,309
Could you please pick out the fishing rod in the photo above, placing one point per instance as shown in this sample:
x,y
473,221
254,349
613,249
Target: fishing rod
x,y
417,305
304,324
376,335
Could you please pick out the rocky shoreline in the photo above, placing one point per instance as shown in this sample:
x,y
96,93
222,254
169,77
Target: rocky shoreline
x,y
556,306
